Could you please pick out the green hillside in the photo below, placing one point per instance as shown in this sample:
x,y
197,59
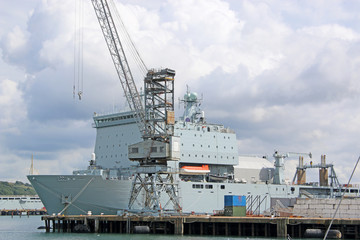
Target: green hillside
x,y
17,188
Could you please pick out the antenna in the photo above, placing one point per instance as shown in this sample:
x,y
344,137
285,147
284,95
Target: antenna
x,y
32,165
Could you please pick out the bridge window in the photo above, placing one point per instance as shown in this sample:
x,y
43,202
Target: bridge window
x,y
154,149
135,150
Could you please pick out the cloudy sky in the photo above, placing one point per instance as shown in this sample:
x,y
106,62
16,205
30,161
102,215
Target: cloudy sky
x,y
284,75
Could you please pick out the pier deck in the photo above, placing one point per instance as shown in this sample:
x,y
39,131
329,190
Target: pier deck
x,y
201,225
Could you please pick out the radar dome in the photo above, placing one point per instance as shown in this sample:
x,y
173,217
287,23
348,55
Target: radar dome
x,y
193,96
186,96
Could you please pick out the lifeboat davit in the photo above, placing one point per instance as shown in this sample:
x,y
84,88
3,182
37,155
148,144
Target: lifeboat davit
x,y
195,170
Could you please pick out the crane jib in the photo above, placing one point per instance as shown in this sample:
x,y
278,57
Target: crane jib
x,y
118,56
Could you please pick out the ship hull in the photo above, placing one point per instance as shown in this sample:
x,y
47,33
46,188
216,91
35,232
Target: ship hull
x,y
78,194
75,195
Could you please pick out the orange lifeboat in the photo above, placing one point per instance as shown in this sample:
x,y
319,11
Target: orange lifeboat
x,y
195,170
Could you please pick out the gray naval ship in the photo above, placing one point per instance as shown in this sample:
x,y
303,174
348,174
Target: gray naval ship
x,y
209,168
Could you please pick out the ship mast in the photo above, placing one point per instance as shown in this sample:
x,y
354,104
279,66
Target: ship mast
x,y
32,165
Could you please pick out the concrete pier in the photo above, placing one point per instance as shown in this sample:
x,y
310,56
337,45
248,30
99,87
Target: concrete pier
x,y
22,212
201,225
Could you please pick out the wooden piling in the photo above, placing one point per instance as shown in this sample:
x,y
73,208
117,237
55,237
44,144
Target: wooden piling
x,y
282,227
179,226
96,225
202,225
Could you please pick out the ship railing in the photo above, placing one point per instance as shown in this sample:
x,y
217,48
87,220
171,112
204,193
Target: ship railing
x,y
254,203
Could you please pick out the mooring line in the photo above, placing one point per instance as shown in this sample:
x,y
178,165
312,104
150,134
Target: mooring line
x,y
342,197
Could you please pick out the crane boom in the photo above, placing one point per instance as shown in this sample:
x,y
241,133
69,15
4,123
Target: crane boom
x,y
118,56
155,120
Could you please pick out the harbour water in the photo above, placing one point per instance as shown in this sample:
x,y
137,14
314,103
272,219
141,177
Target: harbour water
x,y
18,228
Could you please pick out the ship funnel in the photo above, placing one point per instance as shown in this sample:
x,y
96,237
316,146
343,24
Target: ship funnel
x,y
301,173
323,172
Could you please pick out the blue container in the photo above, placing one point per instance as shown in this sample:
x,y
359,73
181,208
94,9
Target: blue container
x,y
234,201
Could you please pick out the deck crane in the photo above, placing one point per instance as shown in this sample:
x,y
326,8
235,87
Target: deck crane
x,y
279,164
155,120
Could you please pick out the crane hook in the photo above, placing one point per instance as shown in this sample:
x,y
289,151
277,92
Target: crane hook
x,y
80,94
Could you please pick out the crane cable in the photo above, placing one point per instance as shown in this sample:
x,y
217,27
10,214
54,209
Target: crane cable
x,y
78,81
126,40
342,197
78,49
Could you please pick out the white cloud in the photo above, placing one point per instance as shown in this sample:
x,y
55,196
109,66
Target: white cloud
x,y
333,31
16,41
13,111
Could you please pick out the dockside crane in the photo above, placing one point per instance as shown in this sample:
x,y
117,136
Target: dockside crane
x,y
155,119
